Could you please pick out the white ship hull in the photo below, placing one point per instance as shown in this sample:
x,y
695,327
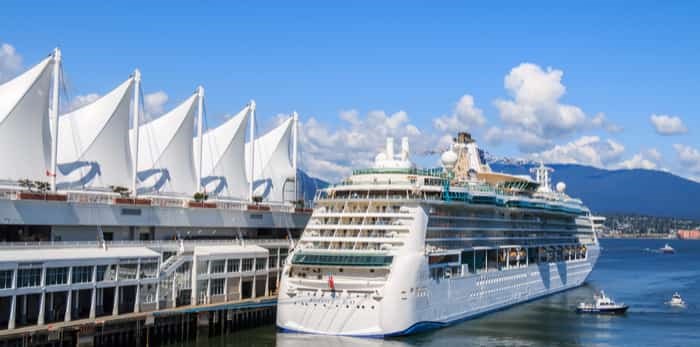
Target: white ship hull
x,y
411,305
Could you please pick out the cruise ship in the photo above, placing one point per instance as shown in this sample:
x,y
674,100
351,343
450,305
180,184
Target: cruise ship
x,y
395,250
109,171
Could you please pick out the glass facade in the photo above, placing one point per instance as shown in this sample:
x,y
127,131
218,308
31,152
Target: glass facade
x,y
56,276
341,260
28,278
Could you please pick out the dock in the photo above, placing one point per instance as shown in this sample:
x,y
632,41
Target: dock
x,y
136,292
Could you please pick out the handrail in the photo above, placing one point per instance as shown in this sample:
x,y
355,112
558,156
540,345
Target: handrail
x,y
129,243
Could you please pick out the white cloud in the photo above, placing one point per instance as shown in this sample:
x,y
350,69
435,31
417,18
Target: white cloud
x,y
644,160
82,100
527,142
154,103
10,62
668,125
689,157
587,150
332,152
601,121
535,108
465,116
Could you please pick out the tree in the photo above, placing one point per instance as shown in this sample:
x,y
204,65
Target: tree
x,y
200,197
42,187
122,191
26,183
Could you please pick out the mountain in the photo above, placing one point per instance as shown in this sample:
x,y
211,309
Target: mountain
x,y
637,191
308,186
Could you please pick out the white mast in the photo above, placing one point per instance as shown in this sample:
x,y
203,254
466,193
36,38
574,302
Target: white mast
x,y
251,155
200,112
295,140
54,115
135,121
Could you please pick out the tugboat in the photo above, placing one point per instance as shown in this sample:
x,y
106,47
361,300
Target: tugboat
x,y
676,300
602,305
667,249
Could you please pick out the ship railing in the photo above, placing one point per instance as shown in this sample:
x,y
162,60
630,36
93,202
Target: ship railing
x,y
88,197
111,198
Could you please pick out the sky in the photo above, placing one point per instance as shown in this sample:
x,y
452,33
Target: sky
x,y
597,83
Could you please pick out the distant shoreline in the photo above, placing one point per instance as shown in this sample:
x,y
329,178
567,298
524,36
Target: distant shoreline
x,y
639,237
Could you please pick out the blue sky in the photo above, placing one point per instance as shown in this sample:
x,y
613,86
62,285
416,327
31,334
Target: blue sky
x,y
585,78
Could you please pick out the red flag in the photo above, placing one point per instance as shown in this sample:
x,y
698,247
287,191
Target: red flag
x,y
48,173
331,283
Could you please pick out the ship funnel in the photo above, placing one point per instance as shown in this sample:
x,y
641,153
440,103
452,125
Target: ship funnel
x,y
390,148
404,148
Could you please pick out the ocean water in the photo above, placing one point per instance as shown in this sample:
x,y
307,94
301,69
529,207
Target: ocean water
x,y
628,270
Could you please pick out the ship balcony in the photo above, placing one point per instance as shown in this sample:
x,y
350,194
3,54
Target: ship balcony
x,y
370,239
362,214
359,227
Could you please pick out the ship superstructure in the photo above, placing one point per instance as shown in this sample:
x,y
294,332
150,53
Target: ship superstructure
x,y
395,249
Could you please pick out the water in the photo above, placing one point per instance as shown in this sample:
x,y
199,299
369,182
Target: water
x,y
627,270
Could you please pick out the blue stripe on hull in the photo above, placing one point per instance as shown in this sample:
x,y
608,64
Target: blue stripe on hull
x,y
420,327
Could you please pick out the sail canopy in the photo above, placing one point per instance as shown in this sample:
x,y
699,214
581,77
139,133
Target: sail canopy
x,y
165,158
223,156
272,165
25,138
93,149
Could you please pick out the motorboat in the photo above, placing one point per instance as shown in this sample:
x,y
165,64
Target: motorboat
x,y
602,305
676,300
667,249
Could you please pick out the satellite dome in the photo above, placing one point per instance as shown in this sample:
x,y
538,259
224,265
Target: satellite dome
x,y
449,159
561,186
380,157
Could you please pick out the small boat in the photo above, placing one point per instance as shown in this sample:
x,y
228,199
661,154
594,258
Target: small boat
x,y
603,305
667,249
676,300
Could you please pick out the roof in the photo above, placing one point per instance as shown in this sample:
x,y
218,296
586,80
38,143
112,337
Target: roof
x,y
230,249
272,162
222,157
166,155
25,138
93,151
54,254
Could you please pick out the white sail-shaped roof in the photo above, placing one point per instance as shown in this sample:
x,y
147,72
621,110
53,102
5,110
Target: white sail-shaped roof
x,y
25,139
165,158
223,156
273,162
93,149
